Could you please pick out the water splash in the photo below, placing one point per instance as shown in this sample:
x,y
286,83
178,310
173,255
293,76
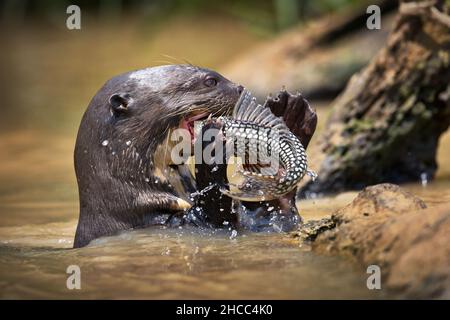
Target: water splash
x,y
234,234
202,192
311,174
424,179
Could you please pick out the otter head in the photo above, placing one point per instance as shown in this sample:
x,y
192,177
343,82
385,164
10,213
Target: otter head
x,y
144,105
122,178
172,96
132,115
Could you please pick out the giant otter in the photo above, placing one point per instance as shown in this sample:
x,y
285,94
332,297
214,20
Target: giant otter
x,y
123,170
122,155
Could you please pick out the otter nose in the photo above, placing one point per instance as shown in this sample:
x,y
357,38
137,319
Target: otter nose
x,y
240,89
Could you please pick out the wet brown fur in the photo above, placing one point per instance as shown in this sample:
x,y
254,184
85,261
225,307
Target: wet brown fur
x,y
124,125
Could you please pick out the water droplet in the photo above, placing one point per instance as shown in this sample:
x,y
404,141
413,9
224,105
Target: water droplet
x,y
128,143
233,234
277,228
311,174
105,143
424,179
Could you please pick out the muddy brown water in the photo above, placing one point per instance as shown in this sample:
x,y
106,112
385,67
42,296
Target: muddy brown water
x,y
181,263
170,263
160,263
175,264
38,216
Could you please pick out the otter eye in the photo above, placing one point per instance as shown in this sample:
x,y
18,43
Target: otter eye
x,y
211,82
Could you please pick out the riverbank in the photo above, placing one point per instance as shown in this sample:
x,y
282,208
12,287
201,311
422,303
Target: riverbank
x,y
394,230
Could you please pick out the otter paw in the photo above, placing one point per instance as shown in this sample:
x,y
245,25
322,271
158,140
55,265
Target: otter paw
x,y
297,113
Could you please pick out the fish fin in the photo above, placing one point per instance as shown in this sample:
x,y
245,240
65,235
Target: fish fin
x,y
248,110
242,104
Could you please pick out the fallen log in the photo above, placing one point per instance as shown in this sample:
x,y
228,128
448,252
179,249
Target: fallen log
x,y
385,126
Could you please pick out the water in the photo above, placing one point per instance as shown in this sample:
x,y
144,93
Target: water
x,y
38,216
172,264
181,263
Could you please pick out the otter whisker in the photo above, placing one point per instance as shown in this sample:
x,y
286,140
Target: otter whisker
x,y
160,61
172,59
177,113
184,111
189,63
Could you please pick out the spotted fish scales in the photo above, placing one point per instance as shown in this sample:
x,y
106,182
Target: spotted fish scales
x,y
273,158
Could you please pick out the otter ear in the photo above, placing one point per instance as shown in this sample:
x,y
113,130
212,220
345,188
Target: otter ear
x,y
118,103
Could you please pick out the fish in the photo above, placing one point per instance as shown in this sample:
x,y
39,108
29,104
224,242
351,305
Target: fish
x,y
271,159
